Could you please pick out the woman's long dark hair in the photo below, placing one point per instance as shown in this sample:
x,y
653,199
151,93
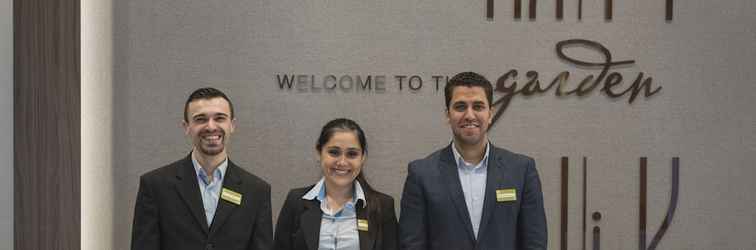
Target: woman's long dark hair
x,y
347,125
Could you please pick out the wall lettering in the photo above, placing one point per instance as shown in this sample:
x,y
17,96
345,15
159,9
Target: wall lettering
x,y
532,9
507,86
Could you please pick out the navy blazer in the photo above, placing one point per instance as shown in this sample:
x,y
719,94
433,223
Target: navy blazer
x,y
298,226
434,214
169,213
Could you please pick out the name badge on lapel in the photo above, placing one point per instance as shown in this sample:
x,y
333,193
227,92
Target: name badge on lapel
x,y
231,196
504,195
362,225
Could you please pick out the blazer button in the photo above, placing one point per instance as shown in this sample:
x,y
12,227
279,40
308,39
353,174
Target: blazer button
x,y
209,246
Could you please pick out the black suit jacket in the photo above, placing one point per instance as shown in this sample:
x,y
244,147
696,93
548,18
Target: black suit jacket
x,y
434,214
298,226
169,213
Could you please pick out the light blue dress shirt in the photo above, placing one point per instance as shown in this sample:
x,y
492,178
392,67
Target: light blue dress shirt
x,y
473,180
338,229
210,191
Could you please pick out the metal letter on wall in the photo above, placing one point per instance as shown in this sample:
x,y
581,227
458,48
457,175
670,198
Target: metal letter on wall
x,y
532,9
596,216
609,9
517,9
672,204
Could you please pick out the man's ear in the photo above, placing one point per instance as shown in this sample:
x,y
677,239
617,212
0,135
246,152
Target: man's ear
x,y
185,125
492,109
446,114
233,124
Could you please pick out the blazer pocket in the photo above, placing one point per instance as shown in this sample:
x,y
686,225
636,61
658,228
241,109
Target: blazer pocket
x,y
507,204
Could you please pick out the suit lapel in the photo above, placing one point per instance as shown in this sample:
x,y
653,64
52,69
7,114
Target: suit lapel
x,y
450,176
309,221
188,189
367,238
496,178
233,182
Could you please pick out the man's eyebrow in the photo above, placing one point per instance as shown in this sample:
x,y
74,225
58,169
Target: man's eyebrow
x,y
214,114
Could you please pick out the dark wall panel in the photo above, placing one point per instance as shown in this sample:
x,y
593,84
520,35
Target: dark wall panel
x,y
46,124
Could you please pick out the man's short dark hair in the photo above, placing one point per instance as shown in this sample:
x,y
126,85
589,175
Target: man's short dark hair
x,y
468,79
206,93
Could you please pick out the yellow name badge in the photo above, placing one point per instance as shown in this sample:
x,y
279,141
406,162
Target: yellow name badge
x,y
362,225
503,195
231,196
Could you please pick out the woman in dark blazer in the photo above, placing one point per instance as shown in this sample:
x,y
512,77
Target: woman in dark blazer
x,y
342,211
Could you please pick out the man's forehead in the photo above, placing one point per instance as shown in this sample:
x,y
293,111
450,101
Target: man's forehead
x,y
211,106
469,93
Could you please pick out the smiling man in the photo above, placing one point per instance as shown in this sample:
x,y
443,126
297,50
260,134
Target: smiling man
x,y
203,201
471,194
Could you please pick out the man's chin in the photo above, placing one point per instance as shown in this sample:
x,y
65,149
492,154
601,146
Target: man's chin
x,y
211,151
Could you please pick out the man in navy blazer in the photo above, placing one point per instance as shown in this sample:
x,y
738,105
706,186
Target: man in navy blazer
x,y
471,194
203,201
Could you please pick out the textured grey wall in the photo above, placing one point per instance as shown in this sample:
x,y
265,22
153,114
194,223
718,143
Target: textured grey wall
x,y
703,60
6,125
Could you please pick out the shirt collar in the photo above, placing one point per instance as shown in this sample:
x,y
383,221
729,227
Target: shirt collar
x,y
218,174
461,161
318,192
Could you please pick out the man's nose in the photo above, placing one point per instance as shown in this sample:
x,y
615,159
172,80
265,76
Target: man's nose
x,y
469,114
212,125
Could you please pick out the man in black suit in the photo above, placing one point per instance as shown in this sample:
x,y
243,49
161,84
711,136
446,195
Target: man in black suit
x,y
471,194
203,201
